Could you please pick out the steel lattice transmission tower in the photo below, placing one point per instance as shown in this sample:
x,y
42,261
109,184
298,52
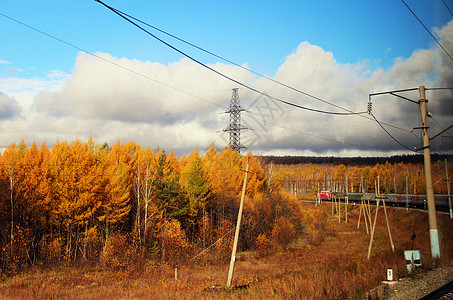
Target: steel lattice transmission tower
x,y
235,127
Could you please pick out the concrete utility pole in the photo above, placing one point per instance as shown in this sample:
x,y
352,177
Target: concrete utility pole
x,y
238,225
433,233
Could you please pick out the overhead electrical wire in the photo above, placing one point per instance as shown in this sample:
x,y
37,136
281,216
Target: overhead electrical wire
x,y
319,137
108,61
179,90
377,121
393,93
448,8
146,77
441,127
230,61
426,28
361,114
220,73
140,74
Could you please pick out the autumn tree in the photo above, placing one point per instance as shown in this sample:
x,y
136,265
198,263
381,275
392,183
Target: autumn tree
x,y
11,159
198,191
78,189
35,190
117,173
168,197
12,175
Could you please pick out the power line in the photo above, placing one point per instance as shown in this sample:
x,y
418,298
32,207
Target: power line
x,y
315,136
377,121
220,73
123,15
142,75
227,60
109,61
179,90
451,13
393,93
432,35
441,127
449,127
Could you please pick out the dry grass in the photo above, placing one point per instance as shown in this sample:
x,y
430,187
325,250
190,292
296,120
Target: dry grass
x,y
336,268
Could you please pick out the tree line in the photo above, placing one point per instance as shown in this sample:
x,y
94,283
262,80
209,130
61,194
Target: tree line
x,y
352,161
397,177
82,201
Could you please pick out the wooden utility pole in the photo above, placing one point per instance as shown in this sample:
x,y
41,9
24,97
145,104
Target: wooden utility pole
x,y
238,225
373,228
407,196
378,199
346,200
433,233
448,189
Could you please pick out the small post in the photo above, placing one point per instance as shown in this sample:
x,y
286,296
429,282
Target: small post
x,y
390,274
238,225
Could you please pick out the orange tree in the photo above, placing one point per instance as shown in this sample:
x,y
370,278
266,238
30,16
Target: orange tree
x,y
78,190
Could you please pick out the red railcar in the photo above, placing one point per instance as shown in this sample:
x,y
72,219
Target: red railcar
x,y
325,195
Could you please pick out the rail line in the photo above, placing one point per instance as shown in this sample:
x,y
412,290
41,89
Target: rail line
x,y
443,292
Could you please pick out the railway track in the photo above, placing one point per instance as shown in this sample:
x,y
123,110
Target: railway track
x,y
443,292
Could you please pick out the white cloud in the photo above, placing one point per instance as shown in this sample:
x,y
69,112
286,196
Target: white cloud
x,y
179,105
9,108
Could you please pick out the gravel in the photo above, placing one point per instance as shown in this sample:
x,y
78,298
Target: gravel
x,y
416,286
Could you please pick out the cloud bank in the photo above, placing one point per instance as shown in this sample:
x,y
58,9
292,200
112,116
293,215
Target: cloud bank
x,y
180,105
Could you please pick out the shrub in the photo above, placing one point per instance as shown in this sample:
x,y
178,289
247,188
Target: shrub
x,y
117,253
316,221
51,249
263,245
224,244
174,243
283,233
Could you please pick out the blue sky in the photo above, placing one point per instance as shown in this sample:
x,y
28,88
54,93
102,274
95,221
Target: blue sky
x,y
362,37
260,33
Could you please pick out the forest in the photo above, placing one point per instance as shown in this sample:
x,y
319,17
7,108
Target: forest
x,y
82,201
397,177
122,204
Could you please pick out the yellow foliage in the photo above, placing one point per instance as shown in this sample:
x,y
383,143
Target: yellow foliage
x,y
283,233
173,241
117,254
263,245
316,221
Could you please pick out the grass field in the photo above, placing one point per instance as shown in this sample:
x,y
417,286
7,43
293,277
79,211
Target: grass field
x,y
327,263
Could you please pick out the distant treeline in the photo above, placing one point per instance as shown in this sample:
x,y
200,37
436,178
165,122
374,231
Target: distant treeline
x,y
294,160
